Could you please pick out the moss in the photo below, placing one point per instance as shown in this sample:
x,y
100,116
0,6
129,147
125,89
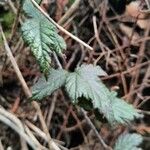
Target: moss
x,y
7,19
71,2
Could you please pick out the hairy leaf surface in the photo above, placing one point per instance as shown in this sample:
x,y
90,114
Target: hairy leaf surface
x,y
122,111
128,142
43,88
84,82
41,35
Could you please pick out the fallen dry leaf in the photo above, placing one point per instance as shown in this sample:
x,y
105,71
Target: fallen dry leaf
x,y
133,9
143,24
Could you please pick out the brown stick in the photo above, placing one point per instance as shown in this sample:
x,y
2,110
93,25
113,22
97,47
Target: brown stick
x,y
70,11
52,144
60,27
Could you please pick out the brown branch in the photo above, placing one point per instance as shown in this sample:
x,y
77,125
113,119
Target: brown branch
x,y
70,11
52,144
95,131
60,27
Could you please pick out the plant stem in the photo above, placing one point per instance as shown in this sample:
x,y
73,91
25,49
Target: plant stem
x,y
51,143
85,115
95,131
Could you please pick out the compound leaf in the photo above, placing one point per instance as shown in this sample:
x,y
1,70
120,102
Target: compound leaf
x,y
43,88
41,35
84,82
128,142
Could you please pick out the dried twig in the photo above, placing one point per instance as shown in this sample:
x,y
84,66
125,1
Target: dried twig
x,y
36,130
1,146
60,27
95,131
7,120
70,11
52,144
88,119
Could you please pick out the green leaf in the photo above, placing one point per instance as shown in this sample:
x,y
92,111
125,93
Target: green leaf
x,y
23,1
122,111
43,88
128,142
84,82
41,35
38,1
